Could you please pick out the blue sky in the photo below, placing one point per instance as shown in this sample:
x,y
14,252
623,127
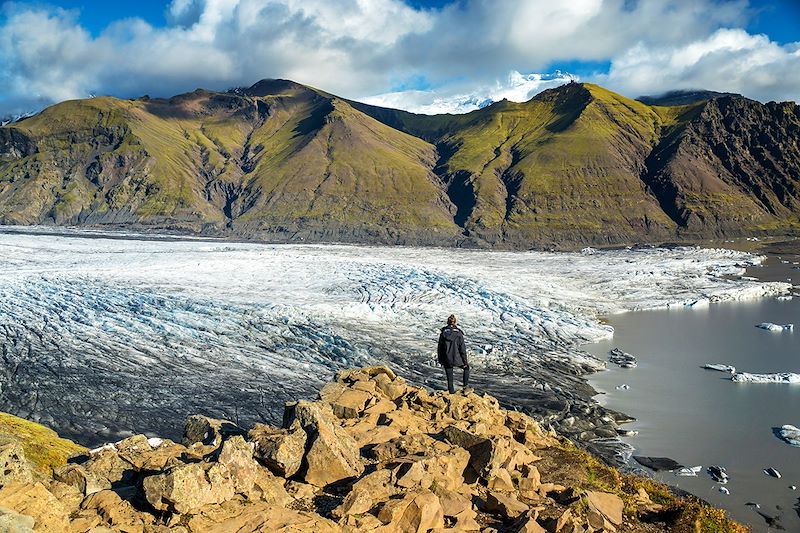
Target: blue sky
x,y
423,55
780,19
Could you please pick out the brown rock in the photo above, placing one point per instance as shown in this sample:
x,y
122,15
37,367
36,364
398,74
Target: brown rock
x,y
409,444
69,496
501,481
116,512
301,491
405,421
281,450
453,504
350,403
393,389
150,454
186,488
237,457
11,522
208,431
34,500
13,465
415,513
505,504
465,521
370,434
250,479
382,406
107,463
366,493
529,524
87,482
364,374
332,455
609,505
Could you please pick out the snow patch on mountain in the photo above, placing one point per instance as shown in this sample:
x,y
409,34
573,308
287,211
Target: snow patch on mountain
x,y
517,88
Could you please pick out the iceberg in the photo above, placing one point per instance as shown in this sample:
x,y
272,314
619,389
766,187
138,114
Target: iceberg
x,y
772,472
781,377
769,326
718,474
689,471
622,359
789,434
720,368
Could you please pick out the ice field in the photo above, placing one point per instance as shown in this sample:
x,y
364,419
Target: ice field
x,y
102,337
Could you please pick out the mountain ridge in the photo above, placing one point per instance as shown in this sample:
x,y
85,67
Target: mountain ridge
x,y
575,165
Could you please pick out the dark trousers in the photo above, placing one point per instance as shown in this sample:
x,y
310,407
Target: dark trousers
x,y
449,372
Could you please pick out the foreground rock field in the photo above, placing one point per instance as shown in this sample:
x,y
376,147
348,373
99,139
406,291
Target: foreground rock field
x,y
371,454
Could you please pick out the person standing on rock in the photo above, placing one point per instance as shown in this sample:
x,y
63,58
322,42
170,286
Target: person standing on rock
x,y
452,352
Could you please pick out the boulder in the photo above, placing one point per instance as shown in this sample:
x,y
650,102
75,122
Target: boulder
x,y
237,457
501,481
186,488
393,389
332,455
13,465
250,479
34,500
487,455
609,505
69,496
528,524
367,492
146,454
106,463
281,450
405,421
416,513
351,403
505,504
439,469
116,512
364,374
208,431
404,445
368,434
86,481
11,522
453,503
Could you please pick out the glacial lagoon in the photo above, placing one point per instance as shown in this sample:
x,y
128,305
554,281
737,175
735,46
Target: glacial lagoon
x,y
701,417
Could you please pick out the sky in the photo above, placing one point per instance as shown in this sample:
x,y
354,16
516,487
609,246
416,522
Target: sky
x,y
422,55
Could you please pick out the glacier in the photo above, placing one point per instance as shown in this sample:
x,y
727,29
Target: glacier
x,y
108,334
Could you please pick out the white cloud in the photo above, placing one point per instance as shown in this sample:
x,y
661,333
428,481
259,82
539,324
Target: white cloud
x,y
358,48
728,60
517,88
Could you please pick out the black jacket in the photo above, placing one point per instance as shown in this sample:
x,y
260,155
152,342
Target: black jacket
x,y
452,351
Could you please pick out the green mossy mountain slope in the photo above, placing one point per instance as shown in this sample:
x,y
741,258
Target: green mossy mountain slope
x,y
575,165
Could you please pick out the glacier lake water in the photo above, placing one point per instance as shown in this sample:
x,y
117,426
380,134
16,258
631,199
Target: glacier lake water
x,y
700,417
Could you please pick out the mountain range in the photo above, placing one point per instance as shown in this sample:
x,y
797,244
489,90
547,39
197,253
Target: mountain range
x,y
575,165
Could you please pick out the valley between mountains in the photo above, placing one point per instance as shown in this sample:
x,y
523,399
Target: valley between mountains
x,y
281,161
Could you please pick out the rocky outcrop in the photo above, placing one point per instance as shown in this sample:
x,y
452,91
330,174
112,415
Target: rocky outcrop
x,y
372,454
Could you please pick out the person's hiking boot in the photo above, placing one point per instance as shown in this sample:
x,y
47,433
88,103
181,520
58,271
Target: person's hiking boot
x,y
467,390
